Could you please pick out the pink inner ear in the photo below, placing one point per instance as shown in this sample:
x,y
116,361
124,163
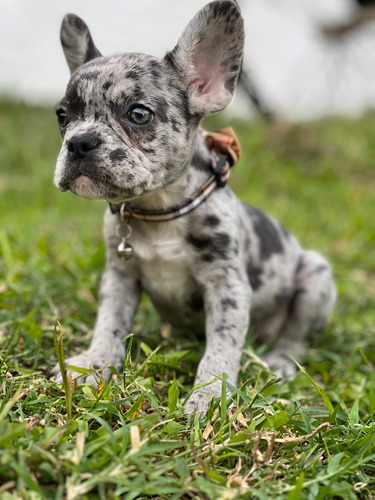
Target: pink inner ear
x,y
204,86
208,75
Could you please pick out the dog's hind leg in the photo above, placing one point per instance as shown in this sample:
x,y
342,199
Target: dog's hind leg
x,y
309,310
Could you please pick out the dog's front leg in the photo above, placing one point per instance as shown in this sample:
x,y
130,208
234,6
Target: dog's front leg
x,y
118,301
227,296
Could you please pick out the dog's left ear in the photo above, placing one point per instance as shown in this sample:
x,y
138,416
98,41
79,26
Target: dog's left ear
x,y
208,56
77,42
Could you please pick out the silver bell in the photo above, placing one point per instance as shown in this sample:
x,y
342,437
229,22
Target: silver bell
x,y
124,250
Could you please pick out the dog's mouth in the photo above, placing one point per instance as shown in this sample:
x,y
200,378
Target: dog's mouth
x,y
89,184
86,182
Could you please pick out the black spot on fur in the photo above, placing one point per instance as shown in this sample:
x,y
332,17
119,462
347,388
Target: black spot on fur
x,y
214,247
255,276
175,125
156,74
132,75
149,151
220,330
139,94
266,230
199,163
151,136
117,154
161,111
211,221
200,243
207,257
228,303
107,84
76,105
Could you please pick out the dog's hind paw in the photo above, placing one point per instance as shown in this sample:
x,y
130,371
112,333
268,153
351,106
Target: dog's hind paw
x,y
280,365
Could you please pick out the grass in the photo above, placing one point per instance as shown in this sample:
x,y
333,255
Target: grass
x,y
312,438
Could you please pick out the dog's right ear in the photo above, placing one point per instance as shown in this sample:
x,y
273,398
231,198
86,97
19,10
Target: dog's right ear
x,y
77,42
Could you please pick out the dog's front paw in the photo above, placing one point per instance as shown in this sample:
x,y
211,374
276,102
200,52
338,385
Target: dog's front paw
x,y
280,364
88,359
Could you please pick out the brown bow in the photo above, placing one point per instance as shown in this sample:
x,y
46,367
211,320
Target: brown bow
x,y
223,142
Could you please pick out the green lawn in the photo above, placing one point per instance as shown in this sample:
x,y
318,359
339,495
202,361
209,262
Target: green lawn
x,y
312,438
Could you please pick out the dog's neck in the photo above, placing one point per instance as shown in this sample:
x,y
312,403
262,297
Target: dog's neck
x,y
177,192
162,199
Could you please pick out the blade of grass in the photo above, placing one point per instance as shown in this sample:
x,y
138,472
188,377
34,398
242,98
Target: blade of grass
x,y
67,379
317,387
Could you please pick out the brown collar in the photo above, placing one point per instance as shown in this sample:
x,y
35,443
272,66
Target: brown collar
x,y
225,143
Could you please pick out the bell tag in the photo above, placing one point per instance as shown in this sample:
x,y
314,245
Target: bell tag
x,y
124,250
124,231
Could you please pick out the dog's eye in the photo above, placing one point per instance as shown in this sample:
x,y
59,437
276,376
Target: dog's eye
x,y
62,117
140,115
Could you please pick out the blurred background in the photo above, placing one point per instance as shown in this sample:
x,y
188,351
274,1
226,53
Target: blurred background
x,y
304,58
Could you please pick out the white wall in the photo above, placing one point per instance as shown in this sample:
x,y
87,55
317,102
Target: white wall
x,y
301,74
32,65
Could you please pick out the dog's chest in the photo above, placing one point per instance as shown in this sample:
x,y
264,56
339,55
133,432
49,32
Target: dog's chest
x,y
165,270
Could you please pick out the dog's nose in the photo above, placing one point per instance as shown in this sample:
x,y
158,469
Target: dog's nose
x,y
80,145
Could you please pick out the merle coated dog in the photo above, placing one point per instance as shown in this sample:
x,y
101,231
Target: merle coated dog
x,y
130,125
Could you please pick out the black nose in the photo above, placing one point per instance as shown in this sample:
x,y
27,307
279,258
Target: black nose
x,y
80,145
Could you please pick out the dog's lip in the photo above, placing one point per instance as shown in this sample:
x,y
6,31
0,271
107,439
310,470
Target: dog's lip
x,y
67,182
108,191
81,183
75,173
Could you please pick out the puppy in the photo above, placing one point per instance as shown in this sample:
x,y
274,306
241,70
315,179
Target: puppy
x,y
130,126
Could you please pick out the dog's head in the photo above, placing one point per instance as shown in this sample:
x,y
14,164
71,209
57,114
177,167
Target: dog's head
x,y
128,121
